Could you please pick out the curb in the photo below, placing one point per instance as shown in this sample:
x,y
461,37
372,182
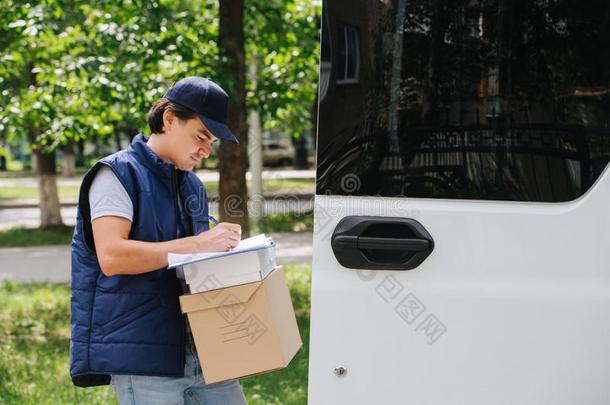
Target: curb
x,y
23,204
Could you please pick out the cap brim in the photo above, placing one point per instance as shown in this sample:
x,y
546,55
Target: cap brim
x,y
220,130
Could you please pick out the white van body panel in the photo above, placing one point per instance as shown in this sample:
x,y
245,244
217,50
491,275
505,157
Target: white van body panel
x,y
511,307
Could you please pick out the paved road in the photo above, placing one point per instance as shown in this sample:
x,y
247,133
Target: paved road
x,y
205,176
27,215
52,263
30,217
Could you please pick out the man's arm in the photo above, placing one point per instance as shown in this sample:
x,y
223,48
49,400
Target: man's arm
x,y
119,255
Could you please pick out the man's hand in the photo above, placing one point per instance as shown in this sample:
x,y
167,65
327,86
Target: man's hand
x,y
117,254
221,238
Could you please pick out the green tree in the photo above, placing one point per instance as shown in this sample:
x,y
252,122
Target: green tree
x,y
72,72
283,37
37,39
92,71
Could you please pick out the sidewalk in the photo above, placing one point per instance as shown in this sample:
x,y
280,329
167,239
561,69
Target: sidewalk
x,y
204,175
52,263
30,216
73,202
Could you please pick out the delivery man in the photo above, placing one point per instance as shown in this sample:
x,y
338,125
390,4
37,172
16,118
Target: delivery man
x,y
134,208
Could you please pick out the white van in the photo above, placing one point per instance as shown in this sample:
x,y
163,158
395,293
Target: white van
x,y
462,211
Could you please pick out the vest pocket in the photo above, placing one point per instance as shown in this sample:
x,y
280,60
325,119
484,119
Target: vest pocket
x,y
130,315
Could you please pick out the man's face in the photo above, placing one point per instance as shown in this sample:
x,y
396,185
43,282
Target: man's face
x,y
190,141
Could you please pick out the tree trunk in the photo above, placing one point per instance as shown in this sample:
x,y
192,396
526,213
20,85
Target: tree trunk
x,y
117,140
33,162
80,155
255,151
50,214
233,159
69,167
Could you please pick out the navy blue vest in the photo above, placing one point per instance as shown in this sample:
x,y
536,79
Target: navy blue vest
x,y
132,324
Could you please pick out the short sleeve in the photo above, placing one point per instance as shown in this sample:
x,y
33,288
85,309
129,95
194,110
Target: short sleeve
x,y
108,197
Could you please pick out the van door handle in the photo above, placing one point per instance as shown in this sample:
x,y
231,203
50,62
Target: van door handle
x,y
381,243
372,242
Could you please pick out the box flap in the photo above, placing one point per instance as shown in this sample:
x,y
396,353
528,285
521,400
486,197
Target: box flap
x,y
215,298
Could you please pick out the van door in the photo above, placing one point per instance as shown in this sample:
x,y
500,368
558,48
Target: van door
x,y
462,211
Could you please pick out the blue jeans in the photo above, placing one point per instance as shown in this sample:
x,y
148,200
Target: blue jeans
x,y
190,389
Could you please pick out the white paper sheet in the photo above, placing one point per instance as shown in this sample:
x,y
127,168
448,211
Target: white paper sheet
x,y
245,245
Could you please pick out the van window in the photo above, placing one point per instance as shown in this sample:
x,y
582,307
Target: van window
x,y
491,99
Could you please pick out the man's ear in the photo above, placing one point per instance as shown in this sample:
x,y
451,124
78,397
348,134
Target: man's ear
x,y
168,119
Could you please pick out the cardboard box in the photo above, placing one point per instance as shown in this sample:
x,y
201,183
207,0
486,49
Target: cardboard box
x,y
227,271
245,329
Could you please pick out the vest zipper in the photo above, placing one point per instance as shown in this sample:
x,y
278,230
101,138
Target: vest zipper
x,y
175,195
178,221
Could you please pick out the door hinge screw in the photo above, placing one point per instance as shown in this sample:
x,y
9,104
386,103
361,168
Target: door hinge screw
x,y
340,371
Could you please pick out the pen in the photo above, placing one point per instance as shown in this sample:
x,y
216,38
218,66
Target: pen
x,y
214,220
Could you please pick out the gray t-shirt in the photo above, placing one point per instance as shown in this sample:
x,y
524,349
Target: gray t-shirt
x,y
108,197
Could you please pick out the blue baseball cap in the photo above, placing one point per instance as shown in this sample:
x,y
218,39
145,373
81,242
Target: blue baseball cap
x,y
206,99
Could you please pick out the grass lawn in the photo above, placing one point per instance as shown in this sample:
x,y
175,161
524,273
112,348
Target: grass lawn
x,y
34,349
28,192
71,192
17,237
14,167
288,222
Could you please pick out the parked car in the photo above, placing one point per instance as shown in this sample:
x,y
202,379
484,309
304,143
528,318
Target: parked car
x,y
461,249
277,153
